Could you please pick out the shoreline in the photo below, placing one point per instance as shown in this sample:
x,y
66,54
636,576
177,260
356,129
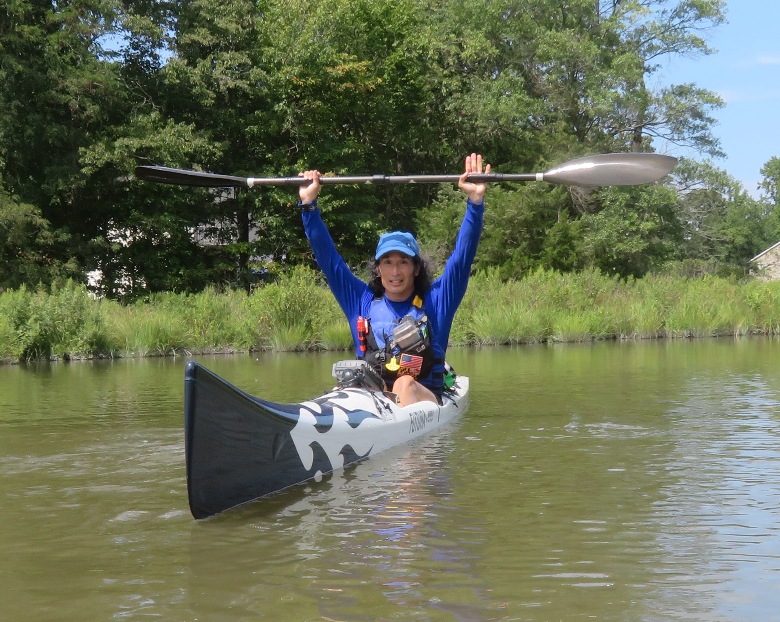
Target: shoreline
x,y
227,351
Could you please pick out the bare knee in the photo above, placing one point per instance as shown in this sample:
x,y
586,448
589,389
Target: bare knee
x,y
410,391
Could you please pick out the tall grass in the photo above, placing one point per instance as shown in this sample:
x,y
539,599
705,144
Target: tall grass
x,y
293,313
38,324
547,306
299,313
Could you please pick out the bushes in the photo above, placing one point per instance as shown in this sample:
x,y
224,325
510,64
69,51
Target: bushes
x,y
299,312
58,323
10,345
295,313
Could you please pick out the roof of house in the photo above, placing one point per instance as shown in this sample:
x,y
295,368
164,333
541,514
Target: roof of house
x,y
762,253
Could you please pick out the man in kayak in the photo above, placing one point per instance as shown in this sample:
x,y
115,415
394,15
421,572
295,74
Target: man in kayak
x,y
401,321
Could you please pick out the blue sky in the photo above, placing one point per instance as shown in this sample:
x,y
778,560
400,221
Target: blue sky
x,y
745,72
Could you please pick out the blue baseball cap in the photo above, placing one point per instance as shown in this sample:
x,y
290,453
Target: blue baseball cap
x,y
397,241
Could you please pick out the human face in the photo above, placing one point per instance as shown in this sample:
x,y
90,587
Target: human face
x,y
397,272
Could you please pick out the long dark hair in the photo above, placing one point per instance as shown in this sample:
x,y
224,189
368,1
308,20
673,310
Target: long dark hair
x,y
422,281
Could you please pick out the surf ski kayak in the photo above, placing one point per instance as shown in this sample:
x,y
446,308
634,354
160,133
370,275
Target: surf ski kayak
x,y
240,448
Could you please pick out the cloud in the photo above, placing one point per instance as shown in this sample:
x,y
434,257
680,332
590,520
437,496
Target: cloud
x,y
768,60
750,95
758,62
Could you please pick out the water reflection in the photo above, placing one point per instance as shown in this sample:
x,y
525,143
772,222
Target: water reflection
x,y
719,519
377,525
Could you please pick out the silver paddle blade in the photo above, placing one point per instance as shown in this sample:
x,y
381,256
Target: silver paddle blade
x,y
612,169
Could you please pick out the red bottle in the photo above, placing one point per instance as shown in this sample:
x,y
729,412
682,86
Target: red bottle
x,y
362,331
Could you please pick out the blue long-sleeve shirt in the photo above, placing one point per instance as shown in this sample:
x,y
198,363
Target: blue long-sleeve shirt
x,y
441,301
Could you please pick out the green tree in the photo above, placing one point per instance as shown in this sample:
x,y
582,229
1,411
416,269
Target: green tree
x,y
636,232
94,87
56,95
577,77
649,32
770,184
582,68
140,236
770,187
722,221
29,249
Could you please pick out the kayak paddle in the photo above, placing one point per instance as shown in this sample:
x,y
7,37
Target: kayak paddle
x,y
609,169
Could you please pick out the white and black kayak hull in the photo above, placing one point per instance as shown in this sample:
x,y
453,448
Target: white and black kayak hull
x,y
240,448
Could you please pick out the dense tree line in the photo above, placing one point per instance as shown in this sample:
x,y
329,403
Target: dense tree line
x,y
91,88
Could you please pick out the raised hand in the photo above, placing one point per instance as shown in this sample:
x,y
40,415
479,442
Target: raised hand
x,y
475,192
310,192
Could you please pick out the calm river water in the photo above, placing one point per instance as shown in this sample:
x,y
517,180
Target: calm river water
x,y
626,482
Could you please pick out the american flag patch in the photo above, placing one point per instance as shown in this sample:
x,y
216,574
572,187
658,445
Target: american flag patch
x,y
410,365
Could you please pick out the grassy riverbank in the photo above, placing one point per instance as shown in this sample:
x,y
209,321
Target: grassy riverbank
x,y
299,313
